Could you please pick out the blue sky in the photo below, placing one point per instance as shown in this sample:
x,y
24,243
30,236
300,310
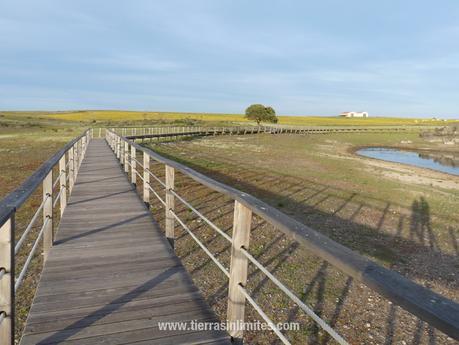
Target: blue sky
x,y
396,58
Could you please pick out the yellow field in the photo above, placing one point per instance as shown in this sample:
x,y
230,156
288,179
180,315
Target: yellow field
x,y
109,115
137,116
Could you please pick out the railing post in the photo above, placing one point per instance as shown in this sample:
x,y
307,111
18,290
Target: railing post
x,y
121,158
170,205
75,164
146,178
238,270
71,169
63,184
118,147
81,148
133,165
77,157
48,214
80,152
7,282
126,157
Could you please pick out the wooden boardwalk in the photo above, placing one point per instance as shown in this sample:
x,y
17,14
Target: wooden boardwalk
x,y
111,275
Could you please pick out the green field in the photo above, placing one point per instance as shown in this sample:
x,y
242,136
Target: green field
x,y
136,117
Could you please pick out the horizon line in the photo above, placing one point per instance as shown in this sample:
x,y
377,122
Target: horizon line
x,y
217,113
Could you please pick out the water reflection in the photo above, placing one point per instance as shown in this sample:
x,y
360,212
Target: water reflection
x,y
443,159
444,162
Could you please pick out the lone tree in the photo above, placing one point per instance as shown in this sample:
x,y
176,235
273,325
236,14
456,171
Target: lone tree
x,y
260,113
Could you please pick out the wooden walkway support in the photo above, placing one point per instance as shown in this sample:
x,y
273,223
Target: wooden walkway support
x,y
111,275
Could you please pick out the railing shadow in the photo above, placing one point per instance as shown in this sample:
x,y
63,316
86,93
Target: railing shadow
x,y
392,249
108,309
388,248
101,229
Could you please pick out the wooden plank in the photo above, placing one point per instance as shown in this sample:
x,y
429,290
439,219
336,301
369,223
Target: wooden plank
x,y
113,313
111,275
102,297
80,266
145,335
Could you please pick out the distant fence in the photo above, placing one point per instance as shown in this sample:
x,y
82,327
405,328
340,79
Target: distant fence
x,y
176,131
433,308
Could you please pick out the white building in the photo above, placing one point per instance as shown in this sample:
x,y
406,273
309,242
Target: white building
x,y
354,114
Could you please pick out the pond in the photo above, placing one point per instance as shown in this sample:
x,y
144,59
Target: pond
x,y
444,162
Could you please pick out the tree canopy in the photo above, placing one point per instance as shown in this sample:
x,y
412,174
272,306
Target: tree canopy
x,y
261,113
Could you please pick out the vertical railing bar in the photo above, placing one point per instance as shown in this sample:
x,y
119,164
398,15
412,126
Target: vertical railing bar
x,y
146,178
48,214
71,168
238,269
7,293
170,204
133,166
63,189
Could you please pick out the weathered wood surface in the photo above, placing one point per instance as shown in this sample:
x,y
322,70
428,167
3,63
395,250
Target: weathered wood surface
x,y
111,274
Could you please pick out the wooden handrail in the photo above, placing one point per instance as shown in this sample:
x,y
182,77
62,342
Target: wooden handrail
x,y
440,312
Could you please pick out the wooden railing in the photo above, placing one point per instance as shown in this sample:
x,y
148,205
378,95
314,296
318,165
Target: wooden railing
x,y
178,131
68,161
435,309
